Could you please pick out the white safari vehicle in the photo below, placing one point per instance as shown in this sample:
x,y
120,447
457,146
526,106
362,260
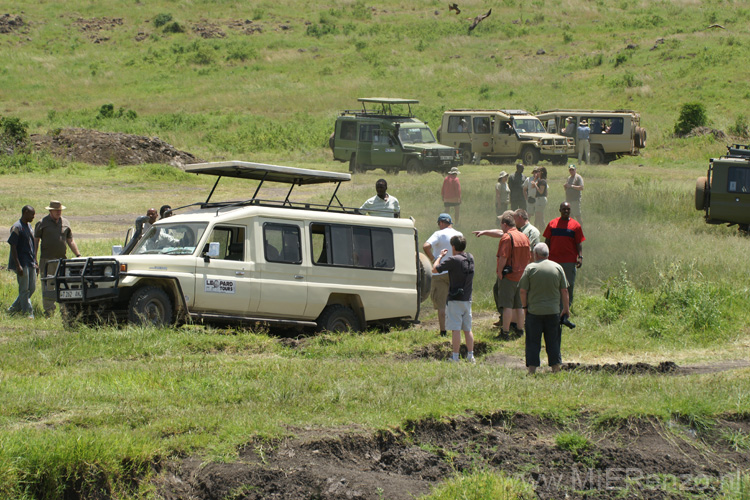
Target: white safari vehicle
x,y
274,262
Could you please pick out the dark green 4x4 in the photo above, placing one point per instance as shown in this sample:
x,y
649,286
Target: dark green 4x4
x,y
379,138
724,194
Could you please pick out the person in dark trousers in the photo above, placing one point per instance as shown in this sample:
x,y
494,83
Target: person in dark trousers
x,y
515,183
543,288
564,236
460,267
23,261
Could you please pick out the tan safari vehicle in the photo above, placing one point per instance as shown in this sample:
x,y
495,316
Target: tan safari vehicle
x,y
502,135
614,134
724,194
273,262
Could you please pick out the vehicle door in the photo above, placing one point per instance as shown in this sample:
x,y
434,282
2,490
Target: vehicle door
x,y
283,272
481,139
505,141
385,149
225,283
364,142
730,194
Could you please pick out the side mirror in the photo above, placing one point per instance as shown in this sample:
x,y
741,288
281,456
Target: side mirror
x,y
116,249
212,252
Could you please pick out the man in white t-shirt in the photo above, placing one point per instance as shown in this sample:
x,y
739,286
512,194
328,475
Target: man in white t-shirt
x,y
440,284
382,204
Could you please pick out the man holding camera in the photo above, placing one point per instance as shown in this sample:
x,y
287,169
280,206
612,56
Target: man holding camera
x,y
543,288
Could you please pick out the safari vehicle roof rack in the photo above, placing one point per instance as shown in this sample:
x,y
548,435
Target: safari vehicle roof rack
x,y
385,109
738,151
270,173
591,111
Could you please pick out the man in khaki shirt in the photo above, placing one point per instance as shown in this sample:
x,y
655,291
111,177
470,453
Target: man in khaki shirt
x,y
54,233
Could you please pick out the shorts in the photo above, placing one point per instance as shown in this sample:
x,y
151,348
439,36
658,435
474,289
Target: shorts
x,y
508,294
458,315
439,287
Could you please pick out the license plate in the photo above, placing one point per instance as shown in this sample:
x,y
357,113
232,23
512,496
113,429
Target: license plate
x,y
446,158
560,151
71,294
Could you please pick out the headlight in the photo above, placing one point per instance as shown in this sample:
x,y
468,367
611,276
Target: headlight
x,y
108,271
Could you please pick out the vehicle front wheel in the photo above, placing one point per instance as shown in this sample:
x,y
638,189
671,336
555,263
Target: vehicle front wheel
x,y
338,318
530,156
414,166
151,306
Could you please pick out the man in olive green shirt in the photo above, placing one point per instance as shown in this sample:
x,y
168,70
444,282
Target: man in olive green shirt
x,y
543,287
55,234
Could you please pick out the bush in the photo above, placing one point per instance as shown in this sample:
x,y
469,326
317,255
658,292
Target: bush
x,y
162,19
740,127
174,27
107,111
13,134
691,115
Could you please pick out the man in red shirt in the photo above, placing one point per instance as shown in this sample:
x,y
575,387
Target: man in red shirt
x,y
451,192
564,237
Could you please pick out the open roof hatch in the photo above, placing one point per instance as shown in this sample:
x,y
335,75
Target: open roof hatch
x,y
271,173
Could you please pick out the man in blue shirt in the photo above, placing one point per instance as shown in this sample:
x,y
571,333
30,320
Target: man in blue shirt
x,y
582,141
22,261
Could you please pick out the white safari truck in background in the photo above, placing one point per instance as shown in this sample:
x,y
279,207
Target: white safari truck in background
x,y
274,262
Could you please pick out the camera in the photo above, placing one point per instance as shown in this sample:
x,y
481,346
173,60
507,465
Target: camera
x,y
507,270
565,320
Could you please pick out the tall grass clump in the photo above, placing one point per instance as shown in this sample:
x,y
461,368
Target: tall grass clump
x,y
620,297
481,486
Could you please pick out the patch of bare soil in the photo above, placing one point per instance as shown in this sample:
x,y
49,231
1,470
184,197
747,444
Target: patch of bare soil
x,y
99,148
94,26
637,458
246,26
10,23
207,29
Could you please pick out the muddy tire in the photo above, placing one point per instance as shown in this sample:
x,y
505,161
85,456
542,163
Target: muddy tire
x,y
332,141
355,167
414,166
338,318
466,156
529,156
640,137
425,277
700,193
150,306
596,157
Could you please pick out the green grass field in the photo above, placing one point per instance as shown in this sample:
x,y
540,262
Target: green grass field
x,y
100,406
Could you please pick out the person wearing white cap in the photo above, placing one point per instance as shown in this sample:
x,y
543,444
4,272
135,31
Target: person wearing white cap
x,y
502,194
433,247
451,193
55,234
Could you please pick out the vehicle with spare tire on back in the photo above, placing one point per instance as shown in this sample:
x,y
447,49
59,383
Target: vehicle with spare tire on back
x,y
724,193
614,134
383,137
273,262
502,135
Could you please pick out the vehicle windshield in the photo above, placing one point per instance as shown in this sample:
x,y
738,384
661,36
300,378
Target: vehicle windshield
x,y
171,239
415,135
529,125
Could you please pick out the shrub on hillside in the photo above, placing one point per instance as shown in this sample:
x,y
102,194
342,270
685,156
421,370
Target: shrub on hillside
x,y
174,27
162,19
740,127
13,132
692,114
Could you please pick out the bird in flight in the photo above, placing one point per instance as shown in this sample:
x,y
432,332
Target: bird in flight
x,y
479,19
454,6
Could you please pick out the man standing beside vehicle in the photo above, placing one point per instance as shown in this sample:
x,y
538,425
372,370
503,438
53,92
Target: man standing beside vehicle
x,y
23,261
440,284
515,183
55,235
543,288
460,269
583,133
451,192
573,190
564,237
382,204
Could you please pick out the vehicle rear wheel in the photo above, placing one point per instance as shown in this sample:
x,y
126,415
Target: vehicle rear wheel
x,y
151,306
338,318
596,157
700,193
425,277
466,156
529,156
354,166
414,166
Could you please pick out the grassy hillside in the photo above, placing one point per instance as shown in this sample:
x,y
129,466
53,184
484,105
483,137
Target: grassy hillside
x,y
94,412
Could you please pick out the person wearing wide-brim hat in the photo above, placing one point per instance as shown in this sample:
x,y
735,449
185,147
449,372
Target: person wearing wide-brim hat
x,y
502,194
451,193
55,235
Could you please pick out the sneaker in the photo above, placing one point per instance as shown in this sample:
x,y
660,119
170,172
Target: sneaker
x,y
443,333
471,360
503,335
514,328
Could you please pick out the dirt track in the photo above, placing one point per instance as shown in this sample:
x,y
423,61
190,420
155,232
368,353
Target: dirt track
x,y
637,458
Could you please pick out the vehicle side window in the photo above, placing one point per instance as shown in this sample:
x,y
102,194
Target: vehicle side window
x,y
598,126
281,243
348,130
458,124
365,132
739,180
482,124
352,246
616,126
231,242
